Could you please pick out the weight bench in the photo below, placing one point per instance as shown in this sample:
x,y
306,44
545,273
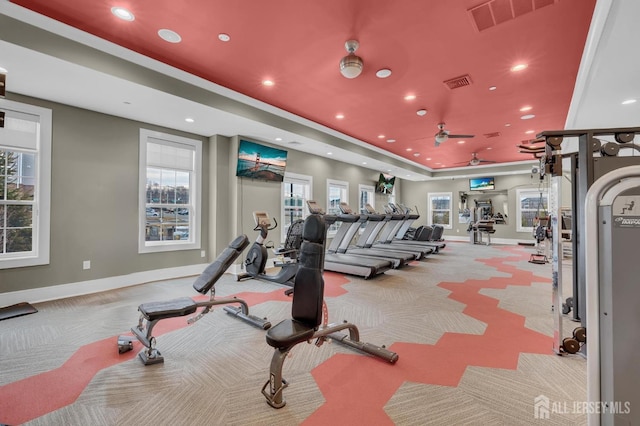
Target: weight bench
x,y
153,312
307,312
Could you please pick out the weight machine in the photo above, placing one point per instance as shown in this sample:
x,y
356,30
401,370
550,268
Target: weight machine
x,y
598,153
612,293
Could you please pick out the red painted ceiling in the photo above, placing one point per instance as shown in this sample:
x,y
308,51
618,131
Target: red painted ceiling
x,y
299,44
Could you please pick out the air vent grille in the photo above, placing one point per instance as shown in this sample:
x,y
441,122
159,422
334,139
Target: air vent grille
x,y
457,82
494,12
492,135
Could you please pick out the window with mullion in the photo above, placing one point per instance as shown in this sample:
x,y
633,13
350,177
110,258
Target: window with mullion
x,y
439,209
25,164
170,214
296,191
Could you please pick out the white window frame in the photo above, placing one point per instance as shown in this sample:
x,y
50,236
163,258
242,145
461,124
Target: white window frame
x,y
39,255
366,188
527,193
343,186
430,197
295,178
195,195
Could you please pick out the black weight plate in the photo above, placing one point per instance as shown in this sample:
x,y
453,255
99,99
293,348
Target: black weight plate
x,y
570,345
624,137
580,334
610,148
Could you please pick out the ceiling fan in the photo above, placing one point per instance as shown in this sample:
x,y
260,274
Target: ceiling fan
x,y
475,161
443,135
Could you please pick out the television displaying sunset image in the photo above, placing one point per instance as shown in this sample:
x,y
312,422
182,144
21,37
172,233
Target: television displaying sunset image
x,y
261,162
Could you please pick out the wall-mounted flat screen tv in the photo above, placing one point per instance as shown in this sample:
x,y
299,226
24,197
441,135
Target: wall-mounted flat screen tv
x,y
385,184
261,162
482,184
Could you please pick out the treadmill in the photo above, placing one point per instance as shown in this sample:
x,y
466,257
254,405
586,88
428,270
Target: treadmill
x,y
365,267
397,257
384,237
409,219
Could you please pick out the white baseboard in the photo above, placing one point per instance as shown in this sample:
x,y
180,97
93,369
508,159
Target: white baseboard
x,y
62,291
505,241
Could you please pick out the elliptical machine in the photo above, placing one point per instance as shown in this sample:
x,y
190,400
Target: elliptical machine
x,y
257,255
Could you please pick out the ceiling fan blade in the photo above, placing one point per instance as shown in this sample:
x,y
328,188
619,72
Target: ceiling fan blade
x,y
534,153
462,136
532,148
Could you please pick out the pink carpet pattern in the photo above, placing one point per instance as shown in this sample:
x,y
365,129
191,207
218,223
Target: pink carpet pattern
x,y
355,387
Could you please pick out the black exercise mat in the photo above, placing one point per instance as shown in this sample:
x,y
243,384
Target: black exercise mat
x,y
16,310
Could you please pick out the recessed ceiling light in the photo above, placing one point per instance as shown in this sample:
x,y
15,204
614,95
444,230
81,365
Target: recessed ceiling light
x,y
525,108
437,164
329,153
391,140
169,35
268,83
122,13
428,159
189,120
409,97
530,131
409,149
527,117
416,154
224,37
421,112
364,162
507,125
278,139
461,142
489,147
629,102
339,116
519,67
383,73
492,87
380,136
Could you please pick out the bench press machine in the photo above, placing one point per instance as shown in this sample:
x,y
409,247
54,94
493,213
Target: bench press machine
x,y
307,312
153,312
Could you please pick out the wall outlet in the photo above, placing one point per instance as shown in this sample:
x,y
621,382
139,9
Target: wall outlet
x,y
203,253
86,264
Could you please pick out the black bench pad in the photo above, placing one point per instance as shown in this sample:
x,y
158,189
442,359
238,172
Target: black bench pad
x,y
289,333
215,270
168,309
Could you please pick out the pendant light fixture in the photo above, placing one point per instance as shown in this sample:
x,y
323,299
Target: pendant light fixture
x,y
351,65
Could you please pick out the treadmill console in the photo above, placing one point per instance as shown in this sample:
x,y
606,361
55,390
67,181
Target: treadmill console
x,y
345,209
314,208
262,219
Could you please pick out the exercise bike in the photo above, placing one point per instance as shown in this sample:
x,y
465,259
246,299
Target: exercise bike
x,y
257,255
